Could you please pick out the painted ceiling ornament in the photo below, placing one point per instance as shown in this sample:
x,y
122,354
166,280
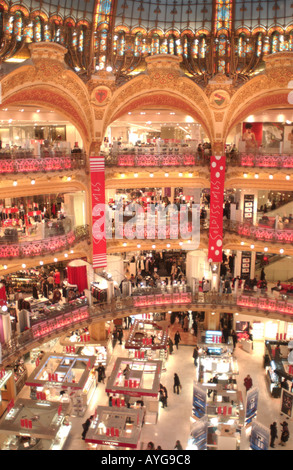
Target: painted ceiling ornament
x,y
219,99
101,95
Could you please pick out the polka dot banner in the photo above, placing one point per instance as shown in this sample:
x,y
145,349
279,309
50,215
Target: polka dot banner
x,y
218,165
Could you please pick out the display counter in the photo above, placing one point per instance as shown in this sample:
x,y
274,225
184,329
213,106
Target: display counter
x,y
276,365
7,389
148,340
56,374
31,425
82,344
115,428
137,379
246,345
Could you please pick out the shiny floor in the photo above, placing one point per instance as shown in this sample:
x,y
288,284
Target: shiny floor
x,y
174,421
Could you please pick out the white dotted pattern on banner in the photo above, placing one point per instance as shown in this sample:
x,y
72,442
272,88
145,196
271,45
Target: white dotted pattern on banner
x,y
219,168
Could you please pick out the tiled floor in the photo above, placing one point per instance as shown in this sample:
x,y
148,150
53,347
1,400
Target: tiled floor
x,y
174,421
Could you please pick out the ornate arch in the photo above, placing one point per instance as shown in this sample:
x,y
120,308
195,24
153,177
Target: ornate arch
x,y
262,92
162,85
48,83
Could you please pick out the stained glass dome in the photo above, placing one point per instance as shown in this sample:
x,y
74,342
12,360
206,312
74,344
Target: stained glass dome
x,y
211,37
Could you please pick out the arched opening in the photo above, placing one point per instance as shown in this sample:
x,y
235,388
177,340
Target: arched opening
x,y
52,101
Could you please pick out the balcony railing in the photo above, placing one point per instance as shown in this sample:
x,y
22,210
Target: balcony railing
x,y
167,299
35,248
168,159
255,160
259,232
24,162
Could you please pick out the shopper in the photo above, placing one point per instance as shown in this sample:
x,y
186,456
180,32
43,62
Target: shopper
x,y
120,335
101,373
177,339
178,446
234,338
50,282
170,346
151,446
126,372
195,355
163,396
248,382
86,426
285,434
273,433
185,323
177,385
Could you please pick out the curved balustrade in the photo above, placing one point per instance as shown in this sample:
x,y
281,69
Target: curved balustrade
x,y
254,160
156,160
169,299
259,233
45,246
14,165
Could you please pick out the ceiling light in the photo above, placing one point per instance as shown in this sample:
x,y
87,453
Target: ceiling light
x,y
5,266
33,181
265,248
252,246
168,246
271,177
153,247
281,251
14,183
109,68
55,260
287,177
138,246
242,243
135,175
166,175
256,175
41,263
180,174
122,175
24,266
151,175
190,175
124,244
66,255
245,175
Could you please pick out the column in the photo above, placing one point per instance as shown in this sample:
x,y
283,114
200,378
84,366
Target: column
x,y
98,331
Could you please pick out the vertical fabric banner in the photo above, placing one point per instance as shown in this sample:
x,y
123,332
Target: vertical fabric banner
x,y
97,167
218,165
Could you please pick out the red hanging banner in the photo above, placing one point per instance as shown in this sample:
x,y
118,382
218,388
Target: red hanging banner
x,y
97,167
218,165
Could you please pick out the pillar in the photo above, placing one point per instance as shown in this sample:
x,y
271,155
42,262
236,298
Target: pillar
x,y
98,331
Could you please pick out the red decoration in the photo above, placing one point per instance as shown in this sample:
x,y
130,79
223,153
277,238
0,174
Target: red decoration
x,y
218,165
97,167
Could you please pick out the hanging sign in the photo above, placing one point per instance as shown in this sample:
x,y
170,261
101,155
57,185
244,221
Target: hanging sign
x,y
218,165
97,168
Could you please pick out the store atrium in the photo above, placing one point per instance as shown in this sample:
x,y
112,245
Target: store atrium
x,y
146,225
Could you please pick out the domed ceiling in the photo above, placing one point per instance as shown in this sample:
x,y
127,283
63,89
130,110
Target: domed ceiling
x,y
229,37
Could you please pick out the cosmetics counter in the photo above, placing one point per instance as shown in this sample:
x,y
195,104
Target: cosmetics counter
x,y
81,344
148,340
115,428
135,382
216,395
64,378
276,365
35,425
